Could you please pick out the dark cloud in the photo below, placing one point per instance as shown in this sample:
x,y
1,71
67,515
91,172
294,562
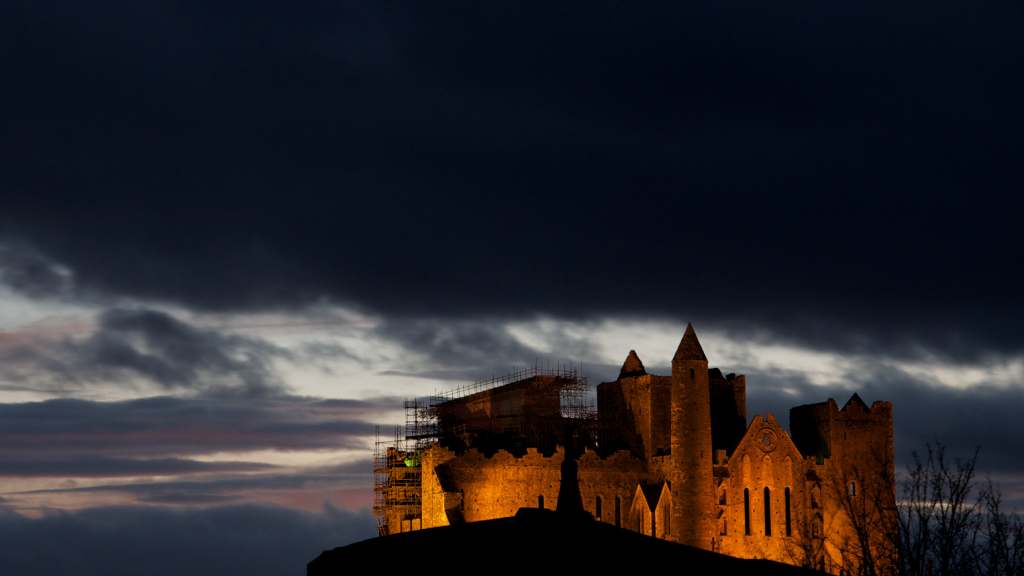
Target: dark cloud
x,y
468,349
324,353
158,347
452,343
185,498
45,464
473,349
129,345
223,488
24,269
252,540
959,332
854,165
135,439
162,426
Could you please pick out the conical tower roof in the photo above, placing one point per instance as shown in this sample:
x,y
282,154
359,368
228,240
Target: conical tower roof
x,y
689,347
632,366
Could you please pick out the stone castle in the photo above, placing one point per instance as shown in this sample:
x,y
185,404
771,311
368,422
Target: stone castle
x,y
670,456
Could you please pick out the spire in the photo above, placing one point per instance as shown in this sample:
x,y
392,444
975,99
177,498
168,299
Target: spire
x,y
632,366
689,347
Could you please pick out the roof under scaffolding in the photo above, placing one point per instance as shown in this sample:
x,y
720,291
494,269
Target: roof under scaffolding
x,y
528,401
561,373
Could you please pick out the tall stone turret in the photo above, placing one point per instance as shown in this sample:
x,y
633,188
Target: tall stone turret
x,y
693,520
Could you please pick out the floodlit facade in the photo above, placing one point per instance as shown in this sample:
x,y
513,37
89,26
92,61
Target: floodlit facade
x,y
672,456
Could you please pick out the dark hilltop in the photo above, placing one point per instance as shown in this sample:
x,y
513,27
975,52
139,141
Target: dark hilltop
x,y
536,539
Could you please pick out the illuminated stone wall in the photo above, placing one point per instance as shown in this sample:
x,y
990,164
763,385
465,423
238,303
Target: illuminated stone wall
x,y
765,458
473,487
432,493
858,480
855,477
610,479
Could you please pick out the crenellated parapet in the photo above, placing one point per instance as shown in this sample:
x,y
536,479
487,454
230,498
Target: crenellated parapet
x,y
475,486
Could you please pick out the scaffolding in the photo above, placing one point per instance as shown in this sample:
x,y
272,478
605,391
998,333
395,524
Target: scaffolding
x,y
396,481
421,426
397,452
573,388
565,372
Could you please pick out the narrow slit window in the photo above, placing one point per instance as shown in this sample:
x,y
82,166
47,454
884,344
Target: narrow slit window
x,y
789,523
540,501
618,512
746,512
597,507
767,511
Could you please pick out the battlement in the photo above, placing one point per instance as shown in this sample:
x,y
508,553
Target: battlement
x,y
817,428
618,460
856,407
530,457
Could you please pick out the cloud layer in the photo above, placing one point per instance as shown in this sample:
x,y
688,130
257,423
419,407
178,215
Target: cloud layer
x,y
829,185
133,345
158,426
254,540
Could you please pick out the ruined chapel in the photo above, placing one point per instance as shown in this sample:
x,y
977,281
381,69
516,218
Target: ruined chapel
x,y
670,456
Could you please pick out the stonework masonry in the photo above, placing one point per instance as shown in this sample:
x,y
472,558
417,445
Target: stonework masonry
x,y
670,456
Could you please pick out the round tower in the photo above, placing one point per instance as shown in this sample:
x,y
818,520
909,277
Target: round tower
x,y
692,483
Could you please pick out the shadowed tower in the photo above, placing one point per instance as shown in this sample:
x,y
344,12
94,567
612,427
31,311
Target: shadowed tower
x,y
692,484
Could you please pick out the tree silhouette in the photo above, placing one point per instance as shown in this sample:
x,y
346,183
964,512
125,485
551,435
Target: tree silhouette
x,y
948,527
941,524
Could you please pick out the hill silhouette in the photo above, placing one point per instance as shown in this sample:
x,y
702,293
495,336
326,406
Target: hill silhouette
x,y
534,539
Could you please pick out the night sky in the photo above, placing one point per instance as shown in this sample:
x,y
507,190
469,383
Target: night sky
x,y
235,235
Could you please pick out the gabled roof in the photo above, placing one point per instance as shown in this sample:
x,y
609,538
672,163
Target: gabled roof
x,y
689,347
855,400
632,366
651,492
783,442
